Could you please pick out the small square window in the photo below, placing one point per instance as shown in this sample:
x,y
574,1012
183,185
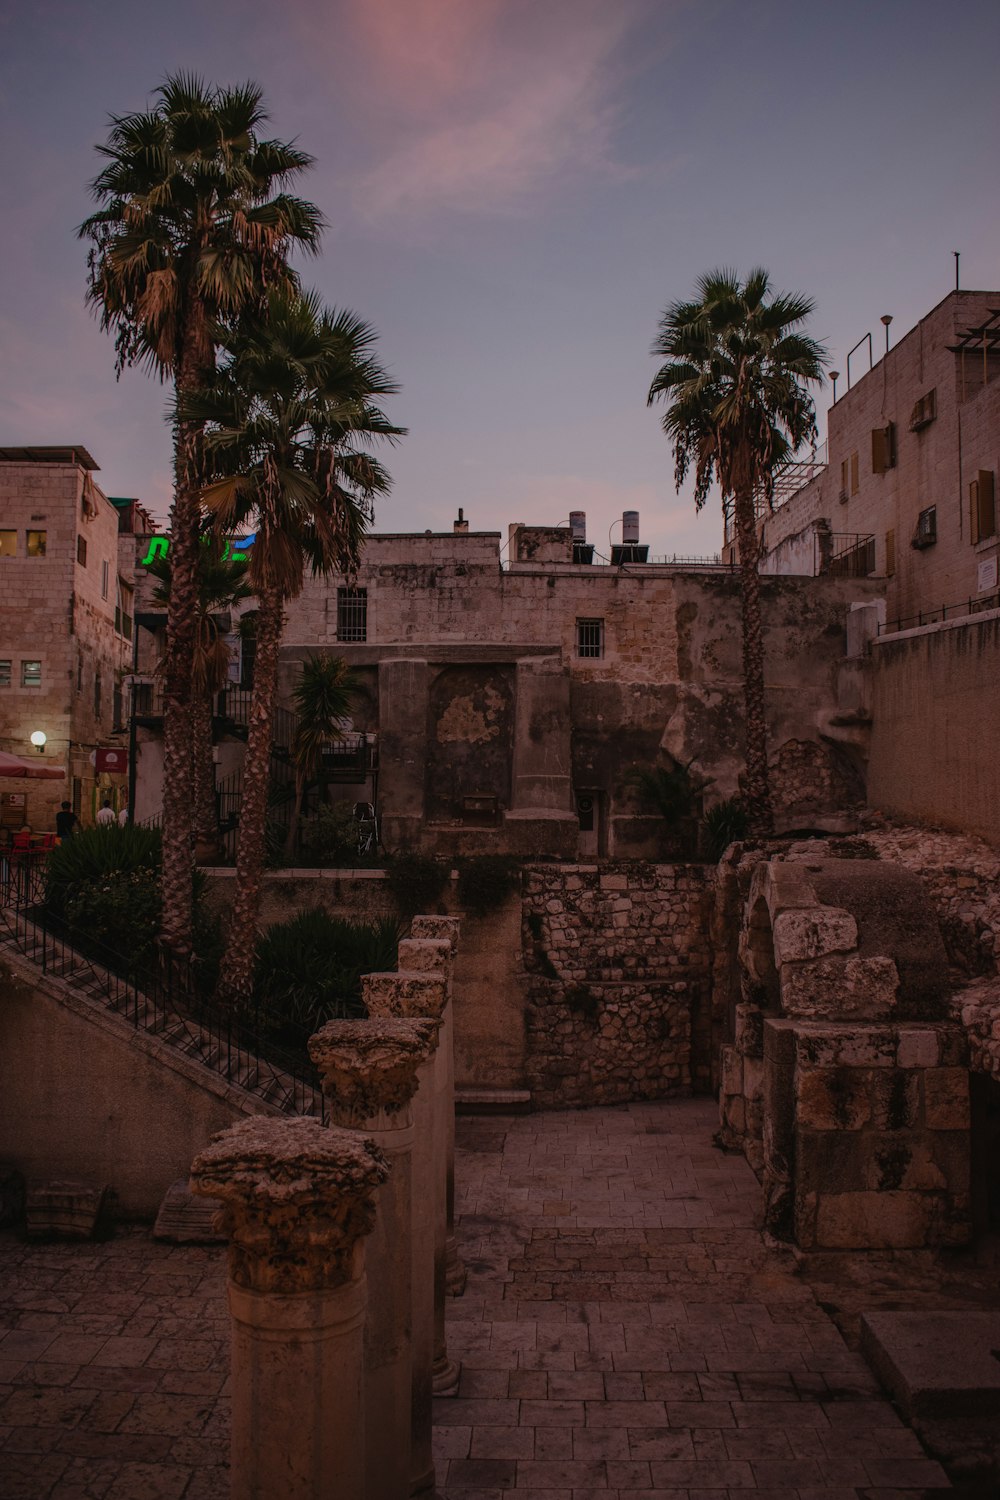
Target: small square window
x,y
5,674
81,551
8,543
105,578
352,614
590,637
31,674
36,543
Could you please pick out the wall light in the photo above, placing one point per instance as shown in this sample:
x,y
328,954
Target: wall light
x,y
38,739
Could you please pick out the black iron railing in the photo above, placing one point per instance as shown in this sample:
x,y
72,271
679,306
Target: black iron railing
x,y
164,997
850,555
959,611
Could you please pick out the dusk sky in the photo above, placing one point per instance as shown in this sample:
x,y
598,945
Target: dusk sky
x,y
514,191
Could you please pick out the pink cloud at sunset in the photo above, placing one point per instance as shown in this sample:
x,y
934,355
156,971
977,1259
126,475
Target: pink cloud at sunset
x,y
491,101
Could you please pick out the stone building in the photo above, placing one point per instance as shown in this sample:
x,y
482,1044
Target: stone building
x,y
908,492
513,699
66,636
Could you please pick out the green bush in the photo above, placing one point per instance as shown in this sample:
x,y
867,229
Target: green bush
x,y
484,883
309,971
104,883
417,882
331,835
94,854
725,823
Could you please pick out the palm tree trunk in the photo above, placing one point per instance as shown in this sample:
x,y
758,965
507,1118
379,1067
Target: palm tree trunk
x,y
236,973
757,793
178,863
206,821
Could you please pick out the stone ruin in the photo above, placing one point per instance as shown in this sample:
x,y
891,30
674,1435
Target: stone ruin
x,y
846,1080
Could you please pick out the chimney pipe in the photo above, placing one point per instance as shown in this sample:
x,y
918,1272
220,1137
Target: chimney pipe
x,y
578,525
630,526
461,524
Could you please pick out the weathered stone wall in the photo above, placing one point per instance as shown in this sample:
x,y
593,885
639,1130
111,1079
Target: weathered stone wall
x,y
936,721
617,964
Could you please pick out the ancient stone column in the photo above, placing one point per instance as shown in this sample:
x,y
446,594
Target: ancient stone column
x,y
425,994
369,1073
441,930
298,1202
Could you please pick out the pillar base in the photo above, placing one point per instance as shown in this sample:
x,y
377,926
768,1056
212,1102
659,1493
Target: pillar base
x,y
445,1376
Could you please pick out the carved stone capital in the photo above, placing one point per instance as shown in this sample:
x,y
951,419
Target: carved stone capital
x,y
370,1067
425,956
396,994
298,1200
446,928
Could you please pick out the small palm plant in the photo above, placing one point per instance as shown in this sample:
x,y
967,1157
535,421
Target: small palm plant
x,y
322,698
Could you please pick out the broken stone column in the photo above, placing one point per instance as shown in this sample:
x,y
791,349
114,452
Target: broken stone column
x,y
414,996
298,1202
369,1073
437,959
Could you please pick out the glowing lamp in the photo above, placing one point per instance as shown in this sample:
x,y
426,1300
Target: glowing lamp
x,y
38,739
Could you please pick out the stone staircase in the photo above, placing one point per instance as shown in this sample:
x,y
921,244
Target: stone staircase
x,y
220,1052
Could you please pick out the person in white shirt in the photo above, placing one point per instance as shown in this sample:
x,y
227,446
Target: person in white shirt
x,y
123,817
106,814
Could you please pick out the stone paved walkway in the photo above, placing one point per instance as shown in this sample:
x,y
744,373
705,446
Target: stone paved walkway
x,y
624,1331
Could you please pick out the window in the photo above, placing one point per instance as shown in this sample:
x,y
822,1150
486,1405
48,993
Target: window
x,y
854,473
36,543
924,411
926,532
5,674
890,553
116,707
982,508
97,697
79,674
352,614
845,478
590,637
883,448
31,674
105,579
81,551
8,543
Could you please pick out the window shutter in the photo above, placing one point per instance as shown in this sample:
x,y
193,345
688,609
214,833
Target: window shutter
x,y
987,507
854,473
890,553
974,512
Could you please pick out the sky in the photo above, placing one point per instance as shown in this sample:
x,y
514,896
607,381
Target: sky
x,y
514,191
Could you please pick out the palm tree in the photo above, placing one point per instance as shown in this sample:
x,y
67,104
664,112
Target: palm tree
x,y
222,586
735,382
288,423
191,230
322,698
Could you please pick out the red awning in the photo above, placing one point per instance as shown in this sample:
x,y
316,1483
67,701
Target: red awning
x,y
41,770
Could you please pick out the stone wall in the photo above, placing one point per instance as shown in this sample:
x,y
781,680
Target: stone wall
x,y
617,964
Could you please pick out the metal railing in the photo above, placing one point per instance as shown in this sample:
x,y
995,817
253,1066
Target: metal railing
x,y
962,610
843,554
164,997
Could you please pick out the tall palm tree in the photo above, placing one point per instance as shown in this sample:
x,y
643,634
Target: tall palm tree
x,y
193,227
322,698
222,586
735,379
289,422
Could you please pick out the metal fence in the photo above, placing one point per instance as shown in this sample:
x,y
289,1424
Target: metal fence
x,y
165,997
961,610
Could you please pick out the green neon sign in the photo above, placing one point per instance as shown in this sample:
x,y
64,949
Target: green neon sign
x,y
160,545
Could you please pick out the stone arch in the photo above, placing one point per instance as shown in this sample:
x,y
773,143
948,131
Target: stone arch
x,y
811,781
470,738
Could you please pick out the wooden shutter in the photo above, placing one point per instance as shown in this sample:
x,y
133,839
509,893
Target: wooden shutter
x,y
987,506
854,473
974,512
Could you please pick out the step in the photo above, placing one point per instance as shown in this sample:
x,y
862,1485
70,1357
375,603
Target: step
x,y
492,1101
936,1364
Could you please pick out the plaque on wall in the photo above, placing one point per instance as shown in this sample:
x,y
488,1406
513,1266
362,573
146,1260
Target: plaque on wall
x,y
986,575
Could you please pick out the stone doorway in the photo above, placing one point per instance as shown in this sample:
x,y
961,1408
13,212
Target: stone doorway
x,y
590,811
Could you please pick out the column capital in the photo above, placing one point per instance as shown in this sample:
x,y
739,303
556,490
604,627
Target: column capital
x,y
425,955
370,1067
401,994
447,928
298,1200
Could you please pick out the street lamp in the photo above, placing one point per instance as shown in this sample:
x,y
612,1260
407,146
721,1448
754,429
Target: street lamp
x,y
38,738
834,376
886,320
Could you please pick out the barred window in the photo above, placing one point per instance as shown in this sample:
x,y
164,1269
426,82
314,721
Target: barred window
x,y
31,674
352,614
590,637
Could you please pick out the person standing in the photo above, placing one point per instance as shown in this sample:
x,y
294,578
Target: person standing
x,y
67,822
106,813
123,817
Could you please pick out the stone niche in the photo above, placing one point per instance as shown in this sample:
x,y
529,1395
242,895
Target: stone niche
x,y
847,1083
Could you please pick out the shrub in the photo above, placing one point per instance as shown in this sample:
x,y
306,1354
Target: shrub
x,y
417,882
104,883
725,823
486,882
309,971
331,836
96,853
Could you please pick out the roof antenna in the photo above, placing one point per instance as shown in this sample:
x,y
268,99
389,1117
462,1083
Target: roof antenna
x,y
956,254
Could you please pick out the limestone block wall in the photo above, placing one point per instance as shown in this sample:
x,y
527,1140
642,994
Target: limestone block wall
x,y
617,961
936,713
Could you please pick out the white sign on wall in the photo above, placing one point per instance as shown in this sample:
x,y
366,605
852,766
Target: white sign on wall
x,y
986,575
